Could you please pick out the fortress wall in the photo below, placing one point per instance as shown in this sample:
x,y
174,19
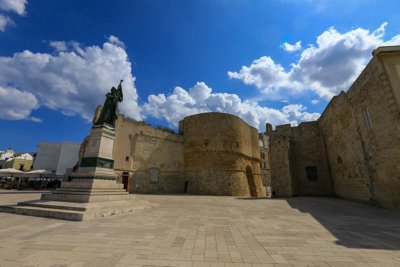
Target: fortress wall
x,y
140,149
221,152
298,161
346,158
308,154
282,182
365,156
264,159
384,144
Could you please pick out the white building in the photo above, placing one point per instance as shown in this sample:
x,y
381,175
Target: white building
x,y
9,153
56,157
26,156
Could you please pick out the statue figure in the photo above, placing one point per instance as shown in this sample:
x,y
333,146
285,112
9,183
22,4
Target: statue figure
x,y
109,112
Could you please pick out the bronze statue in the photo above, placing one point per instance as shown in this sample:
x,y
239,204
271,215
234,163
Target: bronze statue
x,y
109,112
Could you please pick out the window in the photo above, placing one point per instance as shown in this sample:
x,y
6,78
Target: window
x,y
206,142
154,175
311,172
127,158
368,119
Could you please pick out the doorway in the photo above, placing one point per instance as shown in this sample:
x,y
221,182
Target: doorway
x,y
251,182
125,179
186,186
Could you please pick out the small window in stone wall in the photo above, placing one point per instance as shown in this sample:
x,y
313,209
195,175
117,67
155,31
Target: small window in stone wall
x,y
368,119
206,142
311,172
154,175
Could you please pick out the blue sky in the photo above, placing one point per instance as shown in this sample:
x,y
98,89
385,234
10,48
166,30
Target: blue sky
x,y
277,61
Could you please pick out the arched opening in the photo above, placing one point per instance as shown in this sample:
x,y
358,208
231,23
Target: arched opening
x,y
251,182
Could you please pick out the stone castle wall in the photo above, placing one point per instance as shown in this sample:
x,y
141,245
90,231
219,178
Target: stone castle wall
x,y
355,144
280,166
349,170
298,161
151,157
362,133
264,159
221,155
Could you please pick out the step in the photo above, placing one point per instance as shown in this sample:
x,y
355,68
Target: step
x,y
54,205
90,190
85,198
46,212
92,193
83,185
66,210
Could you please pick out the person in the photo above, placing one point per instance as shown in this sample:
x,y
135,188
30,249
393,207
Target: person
x,y
109,112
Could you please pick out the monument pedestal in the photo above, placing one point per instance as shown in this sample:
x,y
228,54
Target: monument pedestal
x,y
93,191
88,191
95,180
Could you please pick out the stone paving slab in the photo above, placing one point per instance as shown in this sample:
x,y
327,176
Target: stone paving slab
x,y
207,231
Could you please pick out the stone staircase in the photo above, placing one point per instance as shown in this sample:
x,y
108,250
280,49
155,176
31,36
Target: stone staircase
x,y
81,200
54,210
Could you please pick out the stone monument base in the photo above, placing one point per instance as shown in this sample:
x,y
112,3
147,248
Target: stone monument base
x,y
88,191
81,199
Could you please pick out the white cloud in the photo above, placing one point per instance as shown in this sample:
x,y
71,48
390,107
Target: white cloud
x,y
315,101
34,119
267,76
199,98
291,48
59,45
16,104
17,6
327,67
116,41
4,21
74,81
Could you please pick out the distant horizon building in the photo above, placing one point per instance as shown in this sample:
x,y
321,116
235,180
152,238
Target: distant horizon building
x,y
56,157
9,153
18,161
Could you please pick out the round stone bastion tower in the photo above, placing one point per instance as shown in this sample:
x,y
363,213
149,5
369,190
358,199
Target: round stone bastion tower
x,y
221,156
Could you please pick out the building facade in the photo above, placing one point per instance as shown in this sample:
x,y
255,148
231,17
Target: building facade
x,y
56,157
18,161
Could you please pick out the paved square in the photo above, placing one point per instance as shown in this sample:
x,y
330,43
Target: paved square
x,y
207,231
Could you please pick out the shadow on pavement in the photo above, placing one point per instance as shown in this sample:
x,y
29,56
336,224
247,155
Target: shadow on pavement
x,y
355,225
